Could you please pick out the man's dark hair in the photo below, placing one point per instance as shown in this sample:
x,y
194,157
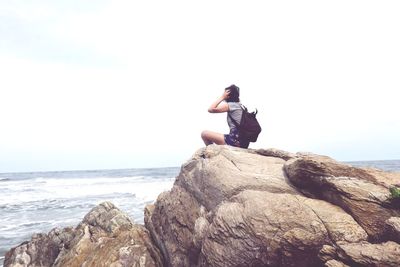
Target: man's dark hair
x,y
234,95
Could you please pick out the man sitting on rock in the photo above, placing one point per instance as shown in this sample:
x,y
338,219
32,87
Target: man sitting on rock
x,y
229,102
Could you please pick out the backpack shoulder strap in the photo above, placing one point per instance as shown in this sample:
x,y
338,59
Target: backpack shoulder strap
x,y
234,122
244,109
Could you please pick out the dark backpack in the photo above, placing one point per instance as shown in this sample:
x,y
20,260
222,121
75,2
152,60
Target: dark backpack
x,y
249,128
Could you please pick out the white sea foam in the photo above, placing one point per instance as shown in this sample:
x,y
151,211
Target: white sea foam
x,y
22,192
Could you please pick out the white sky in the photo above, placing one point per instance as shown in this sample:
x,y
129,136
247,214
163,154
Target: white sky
x,y
124,84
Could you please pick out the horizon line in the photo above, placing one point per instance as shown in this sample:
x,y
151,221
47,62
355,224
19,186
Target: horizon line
x,y
147,168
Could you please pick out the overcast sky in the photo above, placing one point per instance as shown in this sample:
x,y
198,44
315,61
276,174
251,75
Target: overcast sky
x,y
125,84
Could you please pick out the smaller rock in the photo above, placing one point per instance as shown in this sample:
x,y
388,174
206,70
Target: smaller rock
x,y
107,217
42,250
105,237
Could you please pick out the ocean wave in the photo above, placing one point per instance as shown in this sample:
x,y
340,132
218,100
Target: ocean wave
x,y
19,227
5,179
8,207
77,188
30,224
84,179
48,204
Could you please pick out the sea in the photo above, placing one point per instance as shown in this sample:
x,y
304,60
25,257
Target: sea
x,y
37,202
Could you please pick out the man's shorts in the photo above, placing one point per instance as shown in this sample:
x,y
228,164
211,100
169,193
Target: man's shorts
x,y
232,139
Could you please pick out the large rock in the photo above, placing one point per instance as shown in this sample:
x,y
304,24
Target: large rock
x,y
216,173
363,193
213,175
105,237
259,228
236,207
171,223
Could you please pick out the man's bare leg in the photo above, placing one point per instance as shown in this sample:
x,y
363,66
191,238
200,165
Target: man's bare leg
x,y
210,137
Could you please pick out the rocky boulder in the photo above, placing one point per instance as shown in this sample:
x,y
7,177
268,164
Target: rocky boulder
x,y
241,207
42,250
363,193
105,237
237,207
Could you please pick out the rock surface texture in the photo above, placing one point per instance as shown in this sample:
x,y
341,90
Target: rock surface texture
x,y
238,207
